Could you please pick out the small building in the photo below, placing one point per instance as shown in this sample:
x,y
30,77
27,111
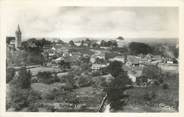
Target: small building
x,y
170,62
132,60
133,75
96,67
118,58
94,57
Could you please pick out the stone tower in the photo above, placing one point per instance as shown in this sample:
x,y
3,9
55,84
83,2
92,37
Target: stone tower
x,y
18,37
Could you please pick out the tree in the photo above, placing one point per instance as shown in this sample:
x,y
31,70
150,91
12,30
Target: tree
x,y
120,38
95,45
139,48
64,65
82,43
88,41
10,72
152,72
102,43
72,43
114,44
47,77
24,78
176,52
85,59
115,68
116,89
33,49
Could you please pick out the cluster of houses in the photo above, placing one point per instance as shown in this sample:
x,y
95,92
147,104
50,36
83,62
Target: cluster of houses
x,y
131,63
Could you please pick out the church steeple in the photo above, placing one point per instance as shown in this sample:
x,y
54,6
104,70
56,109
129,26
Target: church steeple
x,y
18,37
18,29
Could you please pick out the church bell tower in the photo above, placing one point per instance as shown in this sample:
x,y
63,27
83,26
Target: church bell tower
x,y
18,37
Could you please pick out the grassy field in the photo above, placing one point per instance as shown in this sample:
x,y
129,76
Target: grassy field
x,y
89,96
169,97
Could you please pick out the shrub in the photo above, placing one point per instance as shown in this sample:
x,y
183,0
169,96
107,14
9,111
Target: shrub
x,y
47,77
84,80
24,78
33,100
96,73
10,72
148,96
157,83
18,98
152,72
165,86
33,96
69,79
33,108
161,80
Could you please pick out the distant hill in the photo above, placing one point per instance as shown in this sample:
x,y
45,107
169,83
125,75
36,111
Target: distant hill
x,y
170,41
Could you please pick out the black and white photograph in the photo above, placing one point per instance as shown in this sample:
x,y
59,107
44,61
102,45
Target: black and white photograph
x,y
97,59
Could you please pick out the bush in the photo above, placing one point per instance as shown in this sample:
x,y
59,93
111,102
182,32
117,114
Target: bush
x,y
47,77
96,73
33,100
18,98
157,83
161,80
33,107
84,80
152,72
24,78
148,96
10,72
100,83
69,79
165,86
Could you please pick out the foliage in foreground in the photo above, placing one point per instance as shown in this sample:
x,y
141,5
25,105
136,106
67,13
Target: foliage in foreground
x,y
116,89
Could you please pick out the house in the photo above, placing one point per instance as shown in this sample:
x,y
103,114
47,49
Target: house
x,y
76,55
96,67
148,57
118,58
170,62
133,75
77,43
106,48
156,57
64,61
132,60
155,62
94,57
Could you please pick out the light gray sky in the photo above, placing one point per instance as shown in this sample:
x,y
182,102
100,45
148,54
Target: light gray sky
x,y
66,22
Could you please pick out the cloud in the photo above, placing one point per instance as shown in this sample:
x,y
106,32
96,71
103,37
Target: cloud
x,y
96,21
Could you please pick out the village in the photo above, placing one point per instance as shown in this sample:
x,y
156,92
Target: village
x,y
71,76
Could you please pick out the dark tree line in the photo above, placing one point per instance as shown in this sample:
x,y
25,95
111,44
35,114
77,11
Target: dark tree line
x,y
34,44
32,49
108,43
139,48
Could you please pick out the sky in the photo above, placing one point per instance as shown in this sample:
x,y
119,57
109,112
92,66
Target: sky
x,y
100,22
